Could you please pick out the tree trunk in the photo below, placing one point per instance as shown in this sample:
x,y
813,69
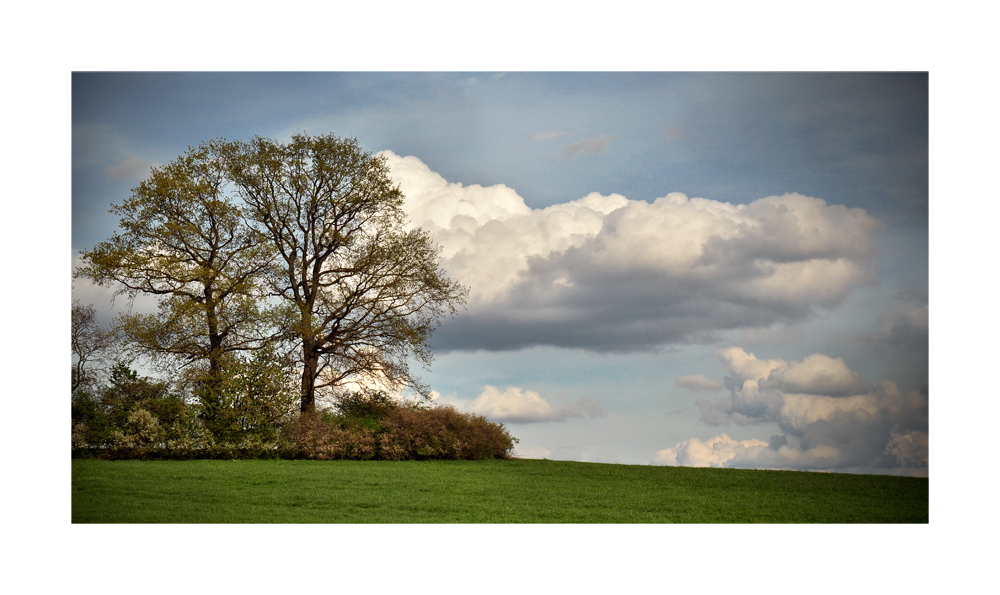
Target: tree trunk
x,y
215,349
310,359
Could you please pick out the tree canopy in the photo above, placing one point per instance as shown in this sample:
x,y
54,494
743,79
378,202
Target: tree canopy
x,y
184,239
250,244
366,291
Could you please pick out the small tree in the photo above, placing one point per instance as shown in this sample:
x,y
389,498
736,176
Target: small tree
x,y
91,344
182,239
364,290
255,398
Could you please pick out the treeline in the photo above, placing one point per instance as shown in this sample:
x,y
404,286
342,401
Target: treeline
x,y
253,416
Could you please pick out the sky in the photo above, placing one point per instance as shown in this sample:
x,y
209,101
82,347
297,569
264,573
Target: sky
x,y
707,269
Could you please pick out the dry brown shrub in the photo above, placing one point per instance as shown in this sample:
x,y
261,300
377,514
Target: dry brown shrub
x,y
443,432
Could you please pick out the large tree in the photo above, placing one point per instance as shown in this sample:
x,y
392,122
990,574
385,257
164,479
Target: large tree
x,y
183,239
366,290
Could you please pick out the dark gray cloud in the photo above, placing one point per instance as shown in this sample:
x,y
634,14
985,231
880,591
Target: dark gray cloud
x,y
902,327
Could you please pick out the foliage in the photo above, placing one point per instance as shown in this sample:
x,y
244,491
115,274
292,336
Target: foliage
x,y
182,239
130,417
252,415
253,400
443,432
370,424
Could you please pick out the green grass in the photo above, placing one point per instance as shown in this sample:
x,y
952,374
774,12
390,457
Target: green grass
x,y
512,491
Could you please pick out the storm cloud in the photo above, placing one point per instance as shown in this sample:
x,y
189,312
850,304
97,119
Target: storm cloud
x,y
609,274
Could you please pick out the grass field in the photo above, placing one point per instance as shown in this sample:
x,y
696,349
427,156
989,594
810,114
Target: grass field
x,y
511,491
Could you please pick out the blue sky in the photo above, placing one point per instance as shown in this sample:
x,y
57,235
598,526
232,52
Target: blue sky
x,y
780,215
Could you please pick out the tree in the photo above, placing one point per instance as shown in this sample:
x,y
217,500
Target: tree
x,y
91,343
365,290
182,239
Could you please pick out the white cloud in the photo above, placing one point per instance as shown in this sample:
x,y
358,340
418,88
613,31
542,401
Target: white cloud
x,y
516,405
831,418
532,452
611,274
715,452
700,383
589,146
820,375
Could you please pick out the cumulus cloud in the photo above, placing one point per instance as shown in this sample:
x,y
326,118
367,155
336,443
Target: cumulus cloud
x,y
715,452
831,418
588,146
607,273
819,374
516,405
700,383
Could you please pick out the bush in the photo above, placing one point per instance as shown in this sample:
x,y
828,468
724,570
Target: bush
x,y
374,426
443,432
130,417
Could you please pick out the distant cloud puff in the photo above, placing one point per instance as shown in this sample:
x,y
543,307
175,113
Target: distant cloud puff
x,y
674,132
532,452
606,273
131,168
700,383
551,134
831,418
589,146
516,405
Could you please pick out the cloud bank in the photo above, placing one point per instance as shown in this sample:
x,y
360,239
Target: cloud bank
x,y
605,273
831,419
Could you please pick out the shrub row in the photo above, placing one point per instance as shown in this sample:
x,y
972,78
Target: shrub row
x,y
136,419
405,433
